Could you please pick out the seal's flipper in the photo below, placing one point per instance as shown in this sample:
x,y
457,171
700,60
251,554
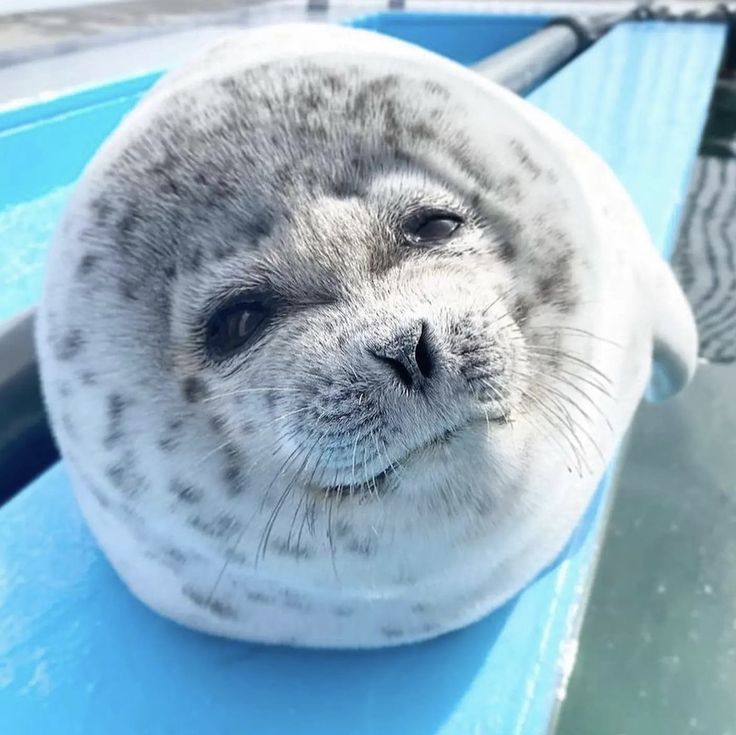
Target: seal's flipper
x,y
675,337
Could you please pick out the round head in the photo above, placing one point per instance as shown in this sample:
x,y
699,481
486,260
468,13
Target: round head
x,y
306,336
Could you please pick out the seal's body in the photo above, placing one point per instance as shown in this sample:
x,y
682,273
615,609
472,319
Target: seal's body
x,y
337,339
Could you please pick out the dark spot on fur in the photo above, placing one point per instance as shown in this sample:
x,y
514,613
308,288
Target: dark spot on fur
x,y
524,158
99,496
88,377
510,187
169,185
194,262
124,476
126,223
312,99
554,286
365,547
223,251
342,611
259,598
270,396
116,474
295,602
68,426
217,424
262,226
102,209
207,602
185,492
87,264
296,551
436,89
234,556
507,251
127,291
346,187
168,443
391,633
421,131
232,474
343,529
116,405
194,389
174,555
522,309
333,82
220,527
70,345
546,287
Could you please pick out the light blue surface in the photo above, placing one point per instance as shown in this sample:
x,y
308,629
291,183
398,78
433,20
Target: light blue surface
x,y
463,37
78,654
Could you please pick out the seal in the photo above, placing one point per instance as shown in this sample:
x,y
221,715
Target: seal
x,y
337,339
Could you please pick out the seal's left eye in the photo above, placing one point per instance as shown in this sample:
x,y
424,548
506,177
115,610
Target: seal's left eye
x,y
431,227
231,326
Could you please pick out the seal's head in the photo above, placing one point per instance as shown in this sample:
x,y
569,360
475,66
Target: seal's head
x,y
337,340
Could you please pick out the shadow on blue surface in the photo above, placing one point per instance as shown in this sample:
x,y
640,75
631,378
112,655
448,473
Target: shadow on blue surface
x,y
413,690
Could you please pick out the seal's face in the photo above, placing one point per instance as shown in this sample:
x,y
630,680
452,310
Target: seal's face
x,y
333,357
341,287
361,333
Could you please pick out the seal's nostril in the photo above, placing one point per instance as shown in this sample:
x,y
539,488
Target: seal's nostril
x,y
402,373
409,355
423,353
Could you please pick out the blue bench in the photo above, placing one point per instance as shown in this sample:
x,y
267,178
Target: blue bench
x,y
79,655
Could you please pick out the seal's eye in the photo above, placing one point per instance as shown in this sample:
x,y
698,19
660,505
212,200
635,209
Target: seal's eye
x,y
432,226
231,326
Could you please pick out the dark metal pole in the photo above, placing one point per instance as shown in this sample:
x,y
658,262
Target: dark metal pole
x,y
26,444
528,62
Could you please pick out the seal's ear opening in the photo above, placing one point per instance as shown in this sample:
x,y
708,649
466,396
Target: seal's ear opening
x,y
675,337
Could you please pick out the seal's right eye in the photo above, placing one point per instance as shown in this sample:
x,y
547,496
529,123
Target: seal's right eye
x,y
431,226
231,326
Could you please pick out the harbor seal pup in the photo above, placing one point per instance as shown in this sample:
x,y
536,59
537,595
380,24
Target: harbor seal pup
x,y
337,339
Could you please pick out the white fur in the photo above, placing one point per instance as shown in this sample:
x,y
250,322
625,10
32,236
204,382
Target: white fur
x,y
434,566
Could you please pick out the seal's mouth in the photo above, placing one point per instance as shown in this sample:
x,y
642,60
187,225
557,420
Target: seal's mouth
x,y
377,484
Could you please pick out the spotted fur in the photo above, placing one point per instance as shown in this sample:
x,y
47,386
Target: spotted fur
x,y
311,487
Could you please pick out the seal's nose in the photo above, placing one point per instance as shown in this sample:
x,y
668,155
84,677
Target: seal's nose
x,y
409,354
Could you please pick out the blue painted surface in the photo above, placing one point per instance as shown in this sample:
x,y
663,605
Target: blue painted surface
x,y
78,654
463,37
655,85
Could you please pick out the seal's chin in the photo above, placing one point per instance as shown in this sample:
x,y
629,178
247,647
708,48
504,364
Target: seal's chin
x,y
380,482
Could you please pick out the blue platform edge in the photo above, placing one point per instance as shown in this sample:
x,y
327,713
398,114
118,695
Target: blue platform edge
x,y
78,654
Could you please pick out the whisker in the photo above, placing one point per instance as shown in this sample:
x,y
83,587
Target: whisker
x,y
554,423
554,352
575,331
